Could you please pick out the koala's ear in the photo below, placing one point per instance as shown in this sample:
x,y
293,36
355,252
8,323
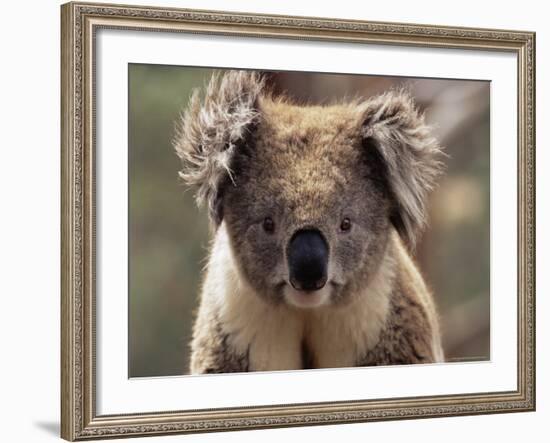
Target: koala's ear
x,y
410,156
212,129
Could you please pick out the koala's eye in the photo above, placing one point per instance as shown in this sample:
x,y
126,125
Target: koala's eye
x,y
268,224
345,225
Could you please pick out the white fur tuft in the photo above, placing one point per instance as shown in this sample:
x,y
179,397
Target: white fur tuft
x,y
210,130
410,153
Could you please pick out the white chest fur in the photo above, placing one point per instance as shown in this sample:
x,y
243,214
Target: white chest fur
x,y
340,336
271,335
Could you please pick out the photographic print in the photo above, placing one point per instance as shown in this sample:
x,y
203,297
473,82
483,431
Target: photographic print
x,y
273,221
304,220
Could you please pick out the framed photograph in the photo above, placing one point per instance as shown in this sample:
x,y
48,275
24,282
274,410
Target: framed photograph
x,y
282,221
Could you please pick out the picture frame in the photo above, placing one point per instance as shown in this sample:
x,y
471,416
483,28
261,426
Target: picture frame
x,y
80,23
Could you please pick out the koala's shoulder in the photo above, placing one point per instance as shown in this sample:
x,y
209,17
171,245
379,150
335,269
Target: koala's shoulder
x,y
412,324
212,350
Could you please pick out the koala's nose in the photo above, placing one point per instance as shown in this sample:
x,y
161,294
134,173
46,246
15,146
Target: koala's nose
x,y
308,260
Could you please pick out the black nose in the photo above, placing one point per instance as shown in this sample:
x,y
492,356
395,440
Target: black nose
x,y
308,260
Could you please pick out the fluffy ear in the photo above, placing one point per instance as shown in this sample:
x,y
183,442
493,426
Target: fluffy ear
x,y
409,153
212,129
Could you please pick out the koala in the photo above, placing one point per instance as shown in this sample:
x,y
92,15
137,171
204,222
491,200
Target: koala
x,y
314,211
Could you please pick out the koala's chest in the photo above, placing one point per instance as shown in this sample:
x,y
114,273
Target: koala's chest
x,y
290,342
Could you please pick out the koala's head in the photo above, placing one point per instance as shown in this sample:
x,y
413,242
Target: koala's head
x,y
308,194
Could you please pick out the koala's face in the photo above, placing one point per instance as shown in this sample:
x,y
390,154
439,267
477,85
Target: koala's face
x,y
308,209
308,195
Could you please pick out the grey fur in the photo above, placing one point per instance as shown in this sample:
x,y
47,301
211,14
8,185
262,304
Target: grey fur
x,y
222,356
252,156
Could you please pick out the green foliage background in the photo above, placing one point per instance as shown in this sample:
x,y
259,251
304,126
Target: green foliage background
x,y
168,234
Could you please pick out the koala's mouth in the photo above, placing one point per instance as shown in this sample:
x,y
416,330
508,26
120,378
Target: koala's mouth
x,y
306,299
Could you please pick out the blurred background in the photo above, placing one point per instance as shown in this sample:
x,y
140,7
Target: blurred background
x,y
169,235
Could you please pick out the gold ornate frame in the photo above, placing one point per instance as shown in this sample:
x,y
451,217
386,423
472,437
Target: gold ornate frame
x,y
79,22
